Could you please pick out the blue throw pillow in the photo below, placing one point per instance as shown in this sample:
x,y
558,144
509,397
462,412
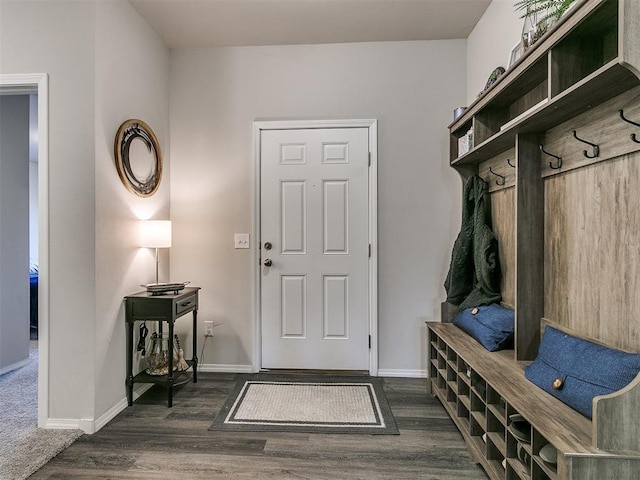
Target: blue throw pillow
x,y
575,370
491,325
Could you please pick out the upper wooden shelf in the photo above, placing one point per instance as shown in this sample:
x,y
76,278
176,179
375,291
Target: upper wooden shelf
x,y
583,61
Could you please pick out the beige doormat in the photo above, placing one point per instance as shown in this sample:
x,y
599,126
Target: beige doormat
x,y
313,404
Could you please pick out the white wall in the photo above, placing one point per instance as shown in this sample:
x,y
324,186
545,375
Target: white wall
x,y
132,81
58,38
410,87
490,43
14,231
105,65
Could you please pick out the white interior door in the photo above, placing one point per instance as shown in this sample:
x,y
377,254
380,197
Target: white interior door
x,y
315,248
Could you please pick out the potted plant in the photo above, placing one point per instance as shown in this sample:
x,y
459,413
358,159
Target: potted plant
x,y
539,16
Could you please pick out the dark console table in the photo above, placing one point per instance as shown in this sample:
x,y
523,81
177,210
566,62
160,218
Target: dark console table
x,y
146,307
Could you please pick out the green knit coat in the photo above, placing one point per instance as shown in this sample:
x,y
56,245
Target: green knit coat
x,y
474,271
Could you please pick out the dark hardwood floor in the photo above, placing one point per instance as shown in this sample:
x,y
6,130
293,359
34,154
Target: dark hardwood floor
x,y
151,441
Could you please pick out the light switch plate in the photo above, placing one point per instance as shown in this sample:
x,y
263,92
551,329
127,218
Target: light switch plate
x,y
241,240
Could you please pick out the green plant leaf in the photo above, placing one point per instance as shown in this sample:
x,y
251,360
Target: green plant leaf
x,y
549,8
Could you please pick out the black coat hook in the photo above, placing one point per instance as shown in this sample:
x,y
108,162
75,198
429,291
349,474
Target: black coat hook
x,y
510,164
596,148
633,135
502,180
559,159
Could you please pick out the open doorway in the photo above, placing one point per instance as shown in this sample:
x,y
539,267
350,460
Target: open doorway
x,y
32,91
34,269
14,231
19,258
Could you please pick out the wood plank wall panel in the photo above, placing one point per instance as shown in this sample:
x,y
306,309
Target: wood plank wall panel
x,y
529,246
601,125
592,234
503,218
500,165
631,28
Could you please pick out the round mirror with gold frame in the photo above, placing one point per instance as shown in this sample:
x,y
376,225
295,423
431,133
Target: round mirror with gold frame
x,y
138,157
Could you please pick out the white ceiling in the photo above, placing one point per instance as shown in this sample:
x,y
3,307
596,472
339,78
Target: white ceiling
x,y
208,23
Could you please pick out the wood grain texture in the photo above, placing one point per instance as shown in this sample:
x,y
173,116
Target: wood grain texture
x,y
499,164
539,91
570,431
590,468
502,202
613,431
601,125
531,60
592,233
151,441
487,122
630,30
529,247
577,238
590,45
600,86
476,413
503,218
448,312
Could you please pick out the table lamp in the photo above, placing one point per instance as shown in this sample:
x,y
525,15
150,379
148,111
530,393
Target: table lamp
x,y
155,234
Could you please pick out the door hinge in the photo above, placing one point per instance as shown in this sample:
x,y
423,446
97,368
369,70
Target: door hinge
x,y
369,250
369,158
369,341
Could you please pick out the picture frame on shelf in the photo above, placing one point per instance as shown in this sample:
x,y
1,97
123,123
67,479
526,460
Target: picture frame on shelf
x,y
515,54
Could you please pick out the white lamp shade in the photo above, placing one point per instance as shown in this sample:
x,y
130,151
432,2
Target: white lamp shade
x,y
155,233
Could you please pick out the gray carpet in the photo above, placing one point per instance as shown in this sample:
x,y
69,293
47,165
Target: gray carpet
x,y
24,447
304,403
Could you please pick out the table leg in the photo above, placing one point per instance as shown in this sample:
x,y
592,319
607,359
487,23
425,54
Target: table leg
x,y
195,346
170,372
129,379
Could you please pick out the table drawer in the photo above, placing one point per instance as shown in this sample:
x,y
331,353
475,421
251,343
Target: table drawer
x,y
187,304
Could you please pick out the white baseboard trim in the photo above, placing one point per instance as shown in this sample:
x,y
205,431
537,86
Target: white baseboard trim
x,y
90,426
14,366
111,413
84,424
392,372
119,407
224,368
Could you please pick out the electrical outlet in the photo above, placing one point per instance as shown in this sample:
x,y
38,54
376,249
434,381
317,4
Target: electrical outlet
x,y
208,328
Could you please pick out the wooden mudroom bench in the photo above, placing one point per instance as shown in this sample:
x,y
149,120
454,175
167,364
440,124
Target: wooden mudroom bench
x,y
480,391
557,141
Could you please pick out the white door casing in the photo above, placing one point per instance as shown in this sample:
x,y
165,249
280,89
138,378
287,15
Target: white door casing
x,y
317,301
